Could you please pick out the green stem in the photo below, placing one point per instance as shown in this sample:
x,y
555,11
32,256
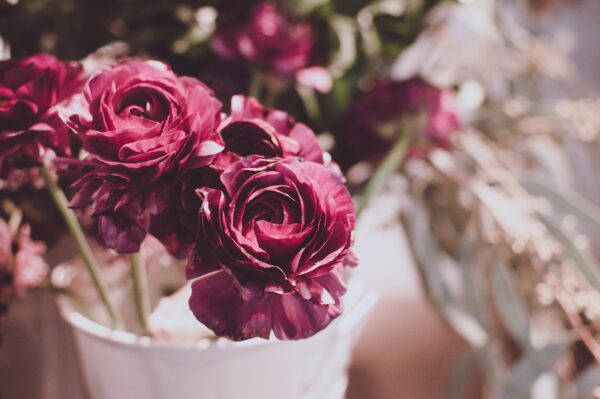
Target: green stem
x,y
388,165
310,102
255,85
140,291
61,202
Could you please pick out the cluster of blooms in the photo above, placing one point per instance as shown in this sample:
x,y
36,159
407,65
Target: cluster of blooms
x,y
250,197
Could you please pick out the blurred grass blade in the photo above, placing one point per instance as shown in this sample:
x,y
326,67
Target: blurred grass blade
x,y
509,303
532,365
584,262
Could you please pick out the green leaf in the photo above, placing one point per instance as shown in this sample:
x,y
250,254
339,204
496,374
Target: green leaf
x,y
584,262
392,161
510,305
472,273
532,365
345,56
588,382
430,258
567,203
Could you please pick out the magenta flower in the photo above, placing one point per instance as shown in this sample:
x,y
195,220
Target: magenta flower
x,y
271,249
252,129
271,40
30,89
249,130
141,126
372,122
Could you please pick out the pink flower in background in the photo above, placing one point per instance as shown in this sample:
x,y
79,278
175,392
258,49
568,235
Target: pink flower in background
x,y
373,121
270,39
141,126
29,268
271,249
21,259
30,89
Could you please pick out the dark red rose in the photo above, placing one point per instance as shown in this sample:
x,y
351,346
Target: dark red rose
x,y
268,38
141,126
373,122
271,249
30,89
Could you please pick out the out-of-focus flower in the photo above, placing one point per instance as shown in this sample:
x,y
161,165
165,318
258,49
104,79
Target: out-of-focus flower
x,y
141,126
30,89
21,259
375,120
29,267
271,249
271,40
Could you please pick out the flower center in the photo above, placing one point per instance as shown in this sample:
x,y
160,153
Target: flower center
x,y
145,105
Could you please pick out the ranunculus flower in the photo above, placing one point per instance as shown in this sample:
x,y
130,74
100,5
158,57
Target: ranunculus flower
x,y
141,126
252,129
373,122
271,40
271,249
30,89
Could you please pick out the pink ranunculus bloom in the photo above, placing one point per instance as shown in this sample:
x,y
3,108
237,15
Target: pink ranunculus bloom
x,y
271,250
252,129
364,123
30,89
141,126
268,38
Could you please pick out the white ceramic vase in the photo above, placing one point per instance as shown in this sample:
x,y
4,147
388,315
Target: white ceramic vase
x,y
120,365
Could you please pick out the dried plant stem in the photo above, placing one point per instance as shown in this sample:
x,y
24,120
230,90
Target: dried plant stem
x,y
140,291
392,161
62,204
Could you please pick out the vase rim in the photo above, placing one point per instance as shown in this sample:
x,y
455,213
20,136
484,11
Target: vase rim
x,y
358,303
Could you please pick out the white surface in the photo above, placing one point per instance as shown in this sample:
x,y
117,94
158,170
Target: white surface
x,y
120,365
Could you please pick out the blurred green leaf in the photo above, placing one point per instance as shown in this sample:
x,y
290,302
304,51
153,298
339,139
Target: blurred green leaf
x,y
471,273
345,56
532,365
584,262
567,203
430,260
511,307
588,382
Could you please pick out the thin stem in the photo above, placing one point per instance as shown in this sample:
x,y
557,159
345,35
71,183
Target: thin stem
x,y
255,85
392,161
62,204
310,102
140,291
